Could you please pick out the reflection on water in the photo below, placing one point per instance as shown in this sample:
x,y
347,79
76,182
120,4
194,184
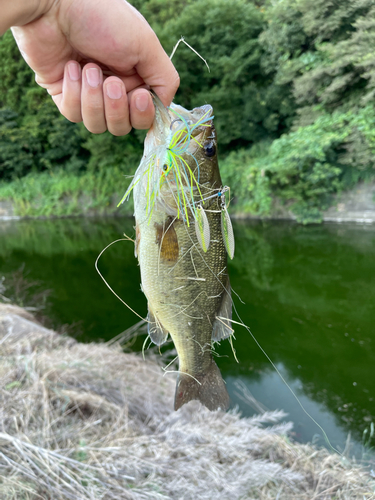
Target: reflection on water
x,y
308,293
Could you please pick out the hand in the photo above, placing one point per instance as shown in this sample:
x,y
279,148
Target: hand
x,y
97,59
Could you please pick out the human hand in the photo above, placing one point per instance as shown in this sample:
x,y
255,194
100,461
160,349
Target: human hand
x,y
97,59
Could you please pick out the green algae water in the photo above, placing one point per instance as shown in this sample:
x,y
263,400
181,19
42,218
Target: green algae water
x,y
307,293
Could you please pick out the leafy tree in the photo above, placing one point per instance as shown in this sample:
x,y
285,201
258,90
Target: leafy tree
x,y
16,78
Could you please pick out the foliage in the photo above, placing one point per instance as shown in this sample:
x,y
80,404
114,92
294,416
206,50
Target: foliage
x,y
15,76
305,167
324,49
38,142
291,83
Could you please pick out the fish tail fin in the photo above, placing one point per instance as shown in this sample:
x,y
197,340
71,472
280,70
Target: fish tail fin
x,y
208,388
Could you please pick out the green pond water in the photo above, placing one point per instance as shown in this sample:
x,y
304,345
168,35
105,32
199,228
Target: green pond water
x,y
308,296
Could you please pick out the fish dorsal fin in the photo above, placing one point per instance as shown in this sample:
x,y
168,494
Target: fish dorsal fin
x,y
222,326
158,334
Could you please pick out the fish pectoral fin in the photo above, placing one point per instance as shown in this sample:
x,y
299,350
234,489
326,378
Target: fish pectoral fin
x,y
166,238
158,334
222,325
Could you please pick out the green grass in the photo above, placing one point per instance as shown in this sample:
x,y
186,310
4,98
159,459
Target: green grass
x,y
60,193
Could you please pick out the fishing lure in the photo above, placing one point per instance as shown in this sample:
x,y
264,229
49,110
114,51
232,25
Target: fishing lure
x,y
202,229
227,228
166,165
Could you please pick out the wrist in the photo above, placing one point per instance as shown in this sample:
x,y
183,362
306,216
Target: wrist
x,y
21,12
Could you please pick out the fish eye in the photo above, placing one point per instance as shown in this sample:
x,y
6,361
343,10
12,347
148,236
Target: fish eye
x,y
209,149
165,167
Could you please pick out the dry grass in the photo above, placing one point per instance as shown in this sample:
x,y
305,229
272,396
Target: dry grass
x,y
90,422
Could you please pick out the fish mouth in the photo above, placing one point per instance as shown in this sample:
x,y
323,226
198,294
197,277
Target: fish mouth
x,y
174,118
194,119
194,123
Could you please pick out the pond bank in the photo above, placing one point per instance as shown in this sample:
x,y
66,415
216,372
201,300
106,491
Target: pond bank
x,y
355,205
89,421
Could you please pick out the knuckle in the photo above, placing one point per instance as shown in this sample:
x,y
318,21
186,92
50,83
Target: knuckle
x,y
94,107
72,107
116,119
94,126
118,132
74,119
177,81
142,125
73,114
119,127
142,122
95,129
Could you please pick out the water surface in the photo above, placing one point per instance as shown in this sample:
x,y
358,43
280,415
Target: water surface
x,y
309,299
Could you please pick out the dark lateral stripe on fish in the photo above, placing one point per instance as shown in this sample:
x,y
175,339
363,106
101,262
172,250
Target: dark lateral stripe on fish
x,y
166,237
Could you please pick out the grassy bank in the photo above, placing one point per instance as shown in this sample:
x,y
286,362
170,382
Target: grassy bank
x,y
87,421
61,193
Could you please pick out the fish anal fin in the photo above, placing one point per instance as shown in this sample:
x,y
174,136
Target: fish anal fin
x,y
222,325
158,334
208,388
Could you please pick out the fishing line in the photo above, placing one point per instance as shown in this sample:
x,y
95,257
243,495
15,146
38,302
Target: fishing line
x,y
182,39
237,295
182,373
107,284
144,347
170,363
282,378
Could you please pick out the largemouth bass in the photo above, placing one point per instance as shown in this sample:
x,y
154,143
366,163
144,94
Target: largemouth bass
x,y
183,234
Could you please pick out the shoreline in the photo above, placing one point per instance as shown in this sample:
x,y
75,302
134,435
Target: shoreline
x,y
361,218
353,206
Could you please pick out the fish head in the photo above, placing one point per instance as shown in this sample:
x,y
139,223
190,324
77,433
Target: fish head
x,y
181,150
201,151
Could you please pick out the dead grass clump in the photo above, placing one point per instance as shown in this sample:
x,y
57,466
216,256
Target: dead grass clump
x,y
86,421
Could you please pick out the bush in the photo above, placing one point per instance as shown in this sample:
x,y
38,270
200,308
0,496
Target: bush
x,y
305,167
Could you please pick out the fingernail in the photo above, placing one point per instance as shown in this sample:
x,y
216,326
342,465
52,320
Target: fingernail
x,y
113,90
93,77
141,101
74,72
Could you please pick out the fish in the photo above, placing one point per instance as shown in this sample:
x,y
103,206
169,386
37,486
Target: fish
x,y
183,238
